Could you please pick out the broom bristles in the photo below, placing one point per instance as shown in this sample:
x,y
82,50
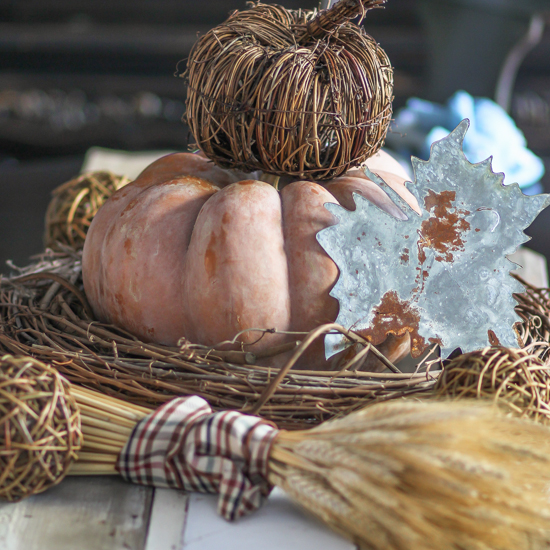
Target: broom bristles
x,y
435,476
106,424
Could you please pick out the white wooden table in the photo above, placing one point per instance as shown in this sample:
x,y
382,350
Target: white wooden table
x,y
106,513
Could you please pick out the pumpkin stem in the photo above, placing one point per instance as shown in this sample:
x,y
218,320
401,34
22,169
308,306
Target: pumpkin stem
x,y
272,179
328,21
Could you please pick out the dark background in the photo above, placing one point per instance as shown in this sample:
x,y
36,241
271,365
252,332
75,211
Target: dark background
x,y
79,73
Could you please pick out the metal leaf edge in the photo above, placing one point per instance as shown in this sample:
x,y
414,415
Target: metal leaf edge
x,y
356,256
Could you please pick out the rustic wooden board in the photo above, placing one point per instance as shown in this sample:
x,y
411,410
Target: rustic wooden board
x,y
81,513
168,520
532,266
123,163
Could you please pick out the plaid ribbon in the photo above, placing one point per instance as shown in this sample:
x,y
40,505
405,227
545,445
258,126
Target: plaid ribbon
x,y
184,445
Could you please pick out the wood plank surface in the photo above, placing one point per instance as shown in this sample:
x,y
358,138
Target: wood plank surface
x,y
81,513
532,266
124,163
168,520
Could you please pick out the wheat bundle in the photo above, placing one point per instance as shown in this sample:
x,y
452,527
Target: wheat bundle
x,y
438,476
396,475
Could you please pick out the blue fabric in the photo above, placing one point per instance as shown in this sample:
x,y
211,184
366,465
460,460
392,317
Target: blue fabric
x,y
492,133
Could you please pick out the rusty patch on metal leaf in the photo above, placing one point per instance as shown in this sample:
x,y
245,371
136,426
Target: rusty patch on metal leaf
x,y
443,230
394,316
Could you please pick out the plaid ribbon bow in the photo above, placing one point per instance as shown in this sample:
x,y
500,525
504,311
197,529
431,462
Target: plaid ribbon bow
x,y
184,445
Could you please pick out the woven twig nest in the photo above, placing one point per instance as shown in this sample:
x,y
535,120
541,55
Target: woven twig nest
x,y
75,203
515,378
44,313
290,92
39,427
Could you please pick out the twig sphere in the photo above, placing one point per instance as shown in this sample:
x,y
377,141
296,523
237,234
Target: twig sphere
x,y
289,92
39,427
74,205
514,378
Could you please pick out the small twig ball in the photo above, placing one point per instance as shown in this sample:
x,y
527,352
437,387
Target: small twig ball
x,y
290,92
514,378
74,205
39,427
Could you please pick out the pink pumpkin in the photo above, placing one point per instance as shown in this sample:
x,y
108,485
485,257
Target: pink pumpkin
x,y
191,250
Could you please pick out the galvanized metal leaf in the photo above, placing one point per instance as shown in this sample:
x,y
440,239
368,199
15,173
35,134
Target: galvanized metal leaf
x,y
442,276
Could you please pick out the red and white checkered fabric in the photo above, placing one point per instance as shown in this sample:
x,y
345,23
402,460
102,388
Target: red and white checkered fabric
x,y
184,445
